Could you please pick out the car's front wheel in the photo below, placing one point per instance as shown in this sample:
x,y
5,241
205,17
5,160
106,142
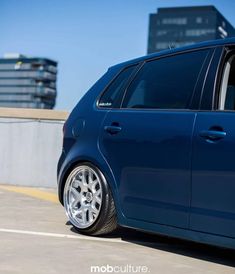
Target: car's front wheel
x,y
88,201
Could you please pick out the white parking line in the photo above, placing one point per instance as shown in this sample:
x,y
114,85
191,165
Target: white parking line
x,y
57,235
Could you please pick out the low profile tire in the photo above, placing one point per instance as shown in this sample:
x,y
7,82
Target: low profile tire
x,y
88,201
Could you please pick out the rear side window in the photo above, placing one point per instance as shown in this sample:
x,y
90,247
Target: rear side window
x,y
113,93
166,83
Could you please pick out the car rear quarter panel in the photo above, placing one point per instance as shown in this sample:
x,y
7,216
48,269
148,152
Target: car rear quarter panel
x,y
81,135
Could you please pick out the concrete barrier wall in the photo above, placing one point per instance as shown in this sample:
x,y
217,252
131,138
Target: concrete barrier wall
x,y
30,146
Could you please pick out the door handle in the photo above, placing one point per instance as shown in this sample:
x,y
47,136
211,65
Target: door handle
x,y
112,129
212,135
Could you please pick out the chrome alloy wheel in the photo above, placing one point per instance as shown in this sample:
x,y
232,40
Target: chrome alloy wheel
x,y
83,196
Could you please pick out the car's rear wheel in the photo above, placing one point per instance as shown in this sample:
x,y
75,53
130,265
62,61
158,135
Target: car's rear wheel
x,y
88,201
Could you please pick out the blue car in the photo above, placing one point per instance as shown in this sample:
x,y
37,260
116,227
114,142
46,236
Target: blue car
x,y
151,146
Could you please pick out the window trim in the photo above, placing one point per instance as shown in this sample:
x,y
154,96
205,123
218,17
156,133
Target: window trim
x,y
228,56
224,84
210,86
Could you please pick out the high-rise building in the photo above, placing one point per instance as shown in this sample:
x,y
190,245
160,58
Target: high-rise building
x,y
27,82
174,27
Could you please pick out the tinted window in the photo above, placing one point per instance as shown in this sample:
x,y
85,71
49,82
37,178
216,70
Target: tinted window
x,y
166,83
112,93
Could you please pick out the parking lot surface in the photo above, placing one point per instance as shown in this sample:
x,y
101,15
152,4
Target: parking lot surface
x,y
36,238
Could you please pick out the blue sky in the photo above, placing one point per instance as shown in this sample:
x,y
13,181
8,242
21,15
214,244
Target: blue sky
x,y
84,36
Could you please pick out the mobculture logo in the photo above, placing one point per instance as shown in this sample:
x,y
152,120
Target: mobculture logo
x,y
119,269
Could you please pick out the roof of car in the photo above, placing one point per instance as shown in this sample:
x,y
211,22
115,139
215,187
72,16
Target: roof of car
x,y
206,44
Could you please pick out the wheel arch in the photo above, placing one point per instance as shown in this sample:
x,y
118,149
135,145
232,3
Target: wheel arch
x,y
102,167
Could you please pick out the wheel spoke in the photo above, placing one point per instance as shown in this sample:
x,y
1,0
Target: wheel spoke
x,y
76,198
97,196
75,203
75,193
80,183
84,181
94,209
84,215
92,185
75,183
90,177
78,214
90,215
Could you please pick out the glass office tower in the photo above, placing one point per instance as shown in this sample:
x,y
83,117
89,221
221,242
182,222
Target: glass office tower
x,y
175,27
27,82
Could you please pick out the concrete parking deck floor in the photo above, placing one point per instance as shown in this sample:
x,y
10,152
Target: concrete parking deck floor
x,y
36,238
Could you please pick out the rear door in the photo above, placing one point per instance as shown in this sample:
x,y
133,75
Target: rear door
x,y
213,164
147,141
